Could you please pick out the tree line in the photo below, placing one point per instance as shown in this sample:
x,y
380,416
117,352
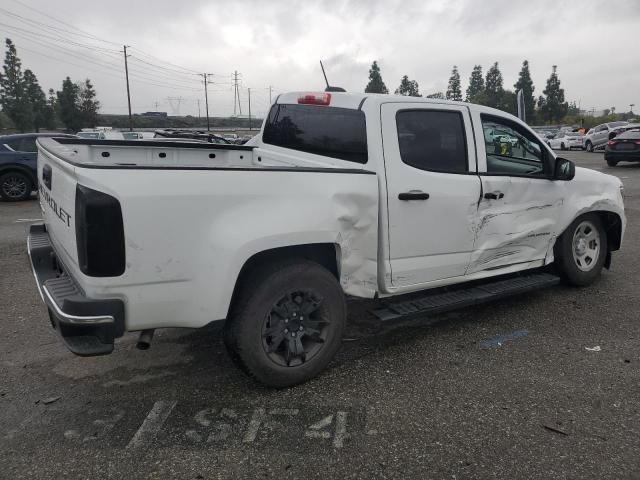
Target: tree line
x,y
550,107
26,108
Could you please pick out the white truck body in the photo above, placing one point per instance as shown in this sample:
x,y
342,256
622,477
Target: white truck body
x,y
195,215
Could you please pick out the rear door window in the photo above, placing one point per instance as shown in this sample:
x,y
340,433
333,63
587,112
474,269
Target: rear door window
x,y
432,140
330,131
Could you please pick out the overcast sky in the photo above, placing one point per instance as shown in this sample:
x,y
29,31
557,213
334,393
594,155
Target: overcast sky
x,y
277,43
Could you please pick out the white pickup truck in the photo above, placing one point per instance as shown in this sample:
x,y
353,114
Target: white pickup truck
x,y
341,194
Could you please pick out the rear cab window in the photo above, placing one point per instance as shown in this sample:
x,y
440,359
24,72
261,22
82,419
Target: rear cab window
x,y
329,131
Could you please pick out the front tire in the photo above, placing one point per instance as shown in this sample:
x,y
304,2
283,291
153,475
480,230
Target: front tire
x,y
287,323
562,147
582,250
612,163
15,186
589,147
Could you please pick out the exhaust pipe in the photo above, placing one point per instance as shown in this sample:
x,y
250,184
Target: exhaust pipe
x,y
144,341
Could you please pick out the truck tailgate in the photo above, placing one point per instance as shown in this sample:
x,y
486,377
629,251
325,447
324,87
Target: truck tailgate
x,y
57,189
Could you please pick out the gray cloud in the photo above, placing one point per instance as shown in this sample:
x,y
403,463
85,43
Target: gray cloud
x,y
279,44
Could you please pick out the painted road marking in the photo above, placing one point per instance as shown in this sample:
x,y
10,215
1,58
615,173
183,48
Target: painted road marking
x,y
27,220
152,424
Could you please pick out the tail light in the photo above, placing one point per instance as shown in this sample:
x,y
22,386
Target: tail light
x,y
99,233
611,142
315,99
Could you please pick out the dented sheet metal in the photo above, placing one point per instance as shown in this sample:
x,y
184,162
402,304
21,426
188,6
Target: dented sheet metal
x,y
524,225
357,224
517,228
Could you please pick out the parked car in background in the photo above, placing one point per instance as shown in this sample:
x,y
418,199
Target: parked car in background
x,y
598,136
137,135
618,130
18,155
566,140
191,134
625,147
101,134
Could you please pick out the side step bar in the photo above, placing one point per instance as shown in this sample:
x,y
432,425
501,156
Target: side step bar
x,y
466,297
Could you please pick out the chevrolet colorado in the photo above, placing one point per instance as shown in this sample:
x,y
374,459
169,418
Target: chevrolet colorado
x,y
340,194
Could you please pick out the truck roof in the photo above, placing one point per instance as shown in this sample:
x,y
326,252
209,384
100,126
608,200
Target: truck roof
x,y
358,100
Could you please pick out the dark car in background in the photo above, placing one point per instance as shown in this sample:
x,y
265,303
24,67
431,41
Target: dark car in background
x,y
18,171
625,147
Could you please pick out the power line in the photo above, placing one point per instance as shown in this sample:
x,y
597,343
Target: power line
x,y
82,32
111,67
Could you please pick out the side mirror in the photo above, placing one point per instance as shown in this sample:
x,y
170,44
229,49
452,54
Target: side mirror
x,y
564,169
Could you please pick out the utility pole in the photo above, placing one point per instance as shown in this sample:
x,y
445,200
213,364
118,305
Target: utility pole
x,y
198,100
126,71
206,99
631,105
156,103
236,95
270,88
249,92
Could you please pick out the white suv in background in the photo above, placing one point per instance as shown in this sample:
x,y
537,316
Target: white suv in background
x,y
598,136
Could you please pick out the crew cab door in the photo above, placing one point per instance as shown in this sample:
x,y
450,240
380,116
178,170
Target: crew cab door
x,y
520,204
432,189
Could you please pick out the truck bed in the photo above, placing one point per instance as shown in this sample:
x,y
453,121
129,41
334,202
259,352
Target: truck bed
x,y
190,221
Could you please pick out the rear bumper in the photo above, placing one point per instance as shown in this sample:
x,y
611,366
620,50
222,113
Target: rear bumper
x,y
88,326
622,156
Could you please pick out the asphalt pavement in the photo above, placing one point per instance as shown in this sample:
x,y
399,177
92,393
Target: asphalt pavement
x,y
544,385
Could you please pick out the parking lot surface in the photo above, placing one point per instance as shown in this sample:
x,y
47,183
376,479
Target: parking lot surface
x,y
545,385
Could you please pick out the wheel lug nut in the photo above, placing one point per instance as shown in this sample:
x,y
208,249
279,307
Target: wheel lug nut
x,y
286,320
293,334
301,328
286,330
301,318
295,314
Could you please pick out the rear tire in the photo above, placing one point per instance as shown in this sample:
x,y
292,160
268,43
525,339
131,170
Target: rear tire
x,y
562,147
611,162
287,323
582,250
15,186
589,146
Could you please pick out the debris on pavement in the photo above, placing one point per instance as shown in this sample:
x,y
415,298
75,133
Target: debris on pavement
x,y
555,430
50,400
593,349
499,340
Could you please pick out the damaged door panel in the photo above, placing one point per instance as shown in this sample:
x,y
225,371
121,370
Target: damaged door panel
x,y
518,227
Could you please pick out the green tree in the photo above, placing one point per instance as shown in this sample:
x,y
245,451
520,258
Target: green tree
x,y
13,99
52,106
408,88
375,85
88,105
6,125
454,90
475,90
68,105
493,86
508,102
573,110
553,108
438,95
525,84
37,100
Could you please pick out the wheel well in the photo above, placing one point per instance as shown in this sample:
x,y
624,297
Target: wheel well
x,y
613,226
20,169
326,254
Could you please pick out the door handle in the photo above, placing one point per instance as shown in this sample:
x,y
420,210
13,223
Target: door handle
x,y
413,195
493,195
